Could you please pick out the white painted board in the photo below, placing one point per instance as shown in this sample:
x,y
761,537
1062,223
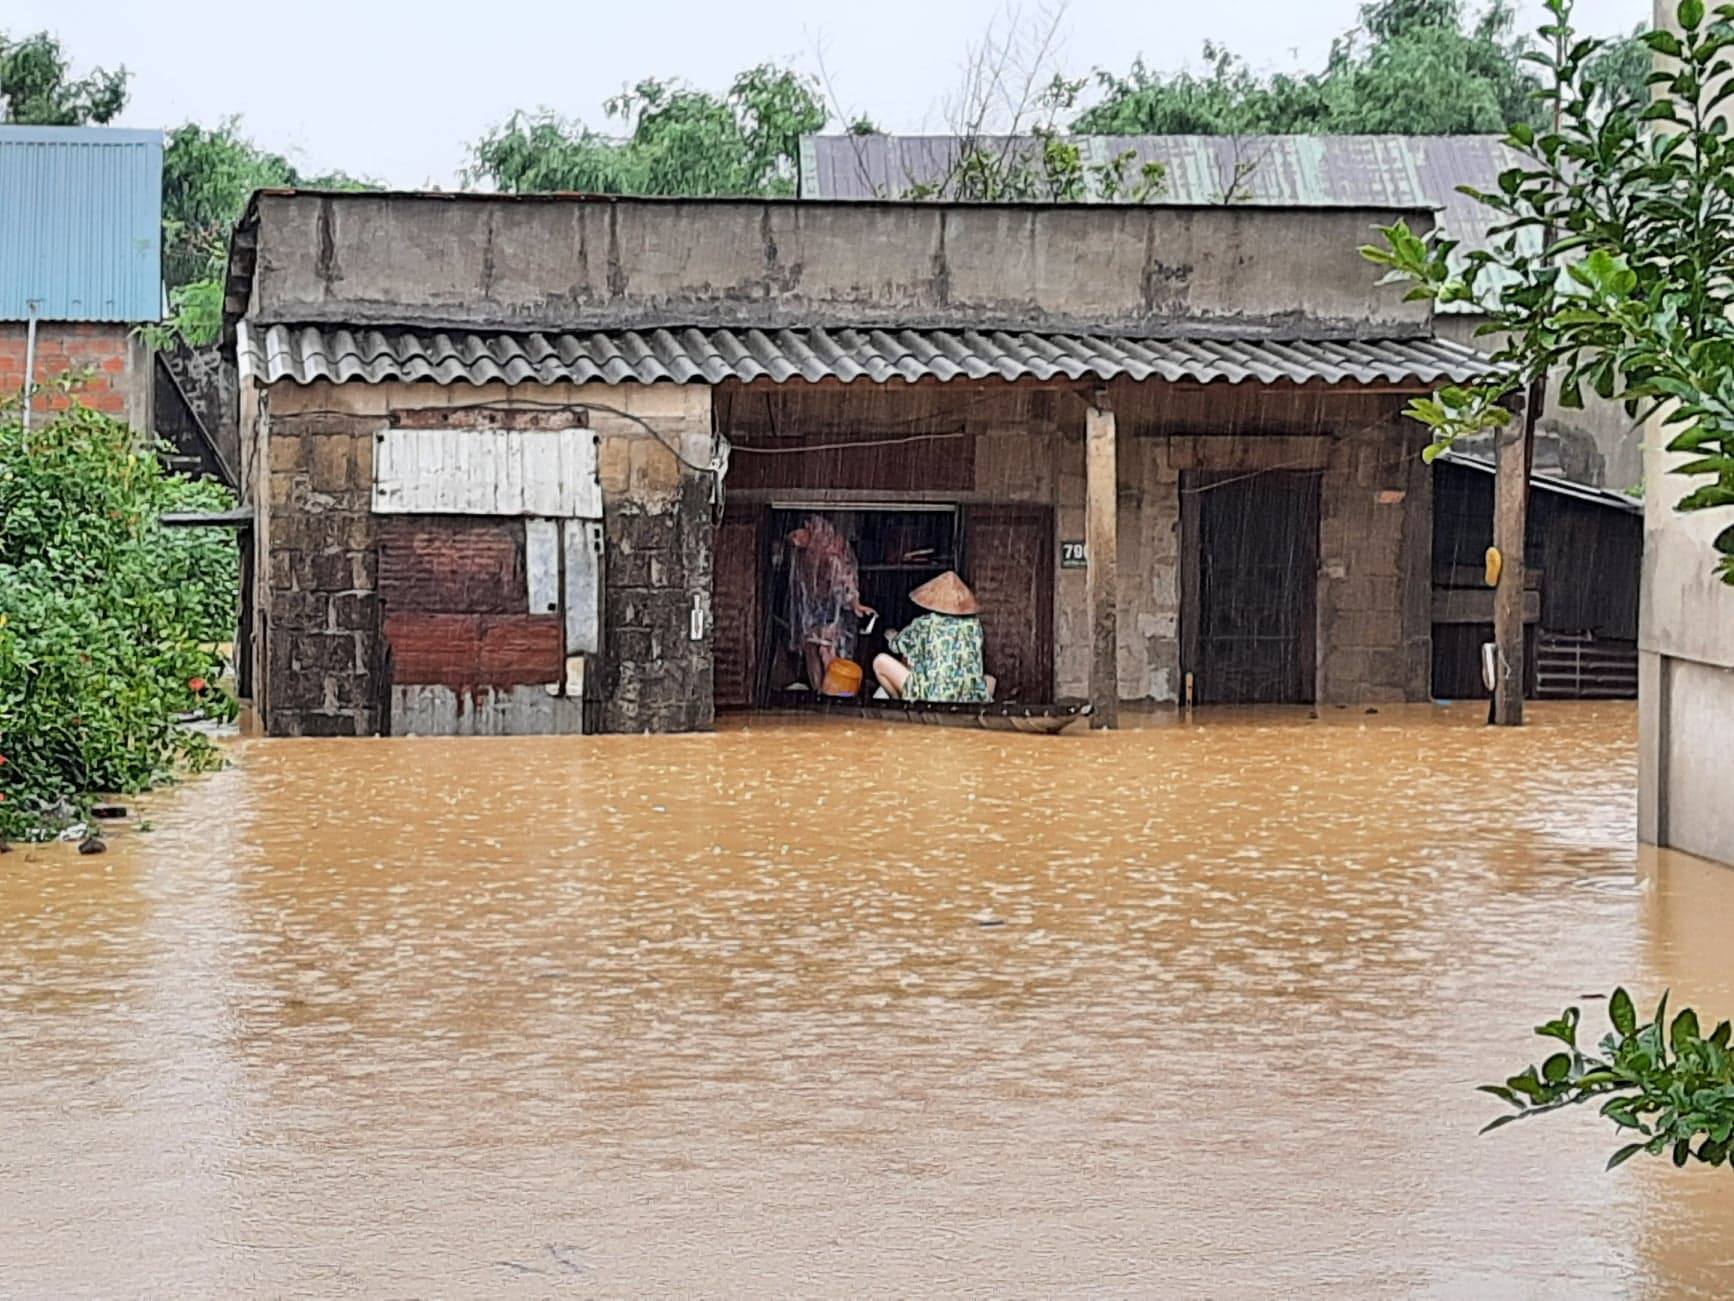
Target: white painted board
x,y
583,587
542,564
532,472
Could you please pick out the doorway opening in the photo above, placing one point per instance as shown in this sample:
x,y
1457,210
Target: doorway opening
x,y
1251,548
1005,554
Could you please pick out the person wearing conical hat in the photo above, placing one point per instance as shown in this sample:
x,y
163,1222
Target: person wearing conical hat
x,y
938,656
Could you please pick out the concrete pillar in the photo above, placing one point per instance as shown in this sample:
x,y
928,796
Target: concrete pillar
x,y
1101,512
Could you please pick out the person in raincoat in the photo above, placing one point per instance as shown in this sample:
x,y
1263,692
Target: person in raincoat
x,y
824,597
938,656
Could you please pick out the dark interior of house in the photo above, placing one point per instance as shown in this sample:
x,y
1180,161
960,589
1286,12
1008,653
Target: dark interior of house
x,y
895,549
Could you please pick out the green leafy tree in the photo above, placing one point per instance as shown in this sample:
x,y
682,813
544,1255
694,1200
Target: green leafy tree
x,y
1420,67
109,620
1613,257
1227,98
208,175
1666,1082
677,141
37,87
1620,71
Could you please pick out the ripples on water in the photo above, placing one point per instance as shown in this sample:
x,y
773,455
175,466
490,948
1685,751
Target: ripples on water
x,y
800,1009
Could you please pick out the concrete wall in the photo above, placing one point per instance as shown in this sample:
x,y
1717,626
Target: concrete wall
x,y
553,262
1596,444
320,642
115,364
1685,661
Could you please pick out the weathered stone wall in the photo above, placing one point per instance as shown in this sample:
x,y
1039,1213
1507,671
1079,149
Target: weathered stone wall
x,y
660,523
1149,570
321,651
1375,565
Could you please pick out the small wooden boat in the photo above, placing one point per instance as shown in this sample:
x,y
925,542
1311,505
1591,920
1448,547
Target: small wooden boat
x,y
1038,720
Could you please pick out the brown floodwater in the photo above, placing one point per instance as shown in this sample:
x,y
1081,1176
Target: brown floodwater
x,y
720,1015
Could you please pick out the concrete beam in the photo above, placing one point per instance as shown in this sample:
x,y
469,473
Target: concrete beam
x,y
551,262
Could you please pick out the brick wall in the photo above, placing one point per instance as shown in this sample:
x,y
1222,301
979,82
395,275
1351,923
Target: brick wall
x,y
116,365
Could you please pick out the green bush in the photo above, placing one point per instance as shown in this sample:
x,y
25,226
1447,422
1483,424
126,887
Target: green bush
x,y
108,621
1666,1082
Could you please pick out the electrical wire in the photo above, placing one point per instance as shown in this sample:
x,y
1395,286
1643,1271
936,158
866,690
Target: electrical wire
x,y
741,449
511,404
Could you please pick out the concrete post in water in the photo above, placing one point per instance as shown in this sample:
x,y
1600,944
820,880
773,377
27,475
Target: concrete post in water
x,y
1510,522
1101,495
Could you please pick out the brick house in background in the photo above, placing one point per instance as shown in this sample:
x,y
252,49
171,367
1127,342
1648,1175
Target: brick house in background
x,y
81,253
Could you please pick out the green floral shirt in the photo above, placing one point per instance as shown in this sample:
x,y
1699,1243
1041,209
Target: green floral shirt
x,y
944,655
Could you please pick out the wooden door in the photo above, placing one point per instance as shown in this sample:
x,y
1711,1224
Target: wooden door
x,y
1009,562
735,608
1252,580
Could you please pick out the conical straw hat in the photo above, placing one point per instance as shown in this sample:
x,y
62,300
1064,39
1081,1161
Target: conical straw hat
x,y
946,594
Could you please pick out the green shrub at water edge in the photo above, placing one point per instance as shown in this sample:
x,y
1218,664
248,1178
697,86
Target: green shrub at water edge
x,y
1665,1084
107,619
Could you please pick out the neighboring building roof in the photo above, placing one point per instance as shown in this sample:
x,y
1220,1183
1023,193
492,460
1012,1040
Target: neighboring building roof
x,y
305,354
1374,171
1608,497
81,223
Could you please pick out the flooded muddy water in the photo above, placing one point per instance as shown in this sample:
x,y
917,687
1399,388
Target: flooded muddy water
x,y
721,1015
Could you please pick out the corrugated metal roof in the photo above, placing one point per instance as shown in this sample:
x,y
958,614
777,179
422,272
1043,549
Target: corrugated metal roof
x,y
1366,171
81,223
304,354
1609,497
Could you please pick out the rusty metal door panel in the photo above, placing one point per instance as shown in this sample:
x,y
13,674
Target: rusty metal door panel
x,y
462,650
433,710
439,564
549,473
1010,566
1257,547
735,607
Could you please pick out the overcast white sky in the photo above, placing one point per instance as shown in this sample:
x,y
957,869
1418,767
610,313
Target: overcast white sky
x,y
397,90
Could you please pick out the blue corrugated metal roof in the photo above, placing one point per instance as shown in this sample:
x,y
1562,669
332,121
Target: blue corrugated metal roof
x,y
81,223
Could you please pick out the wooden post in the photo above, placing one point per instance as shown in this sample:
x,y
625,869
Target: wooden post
x,y
1101,496
1513,455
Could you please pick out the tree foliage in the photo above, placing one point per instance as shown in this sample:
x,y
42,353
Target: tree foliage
x,y
1613,256
37,87
677,140
1666,1082
208,175
109,618
1421,67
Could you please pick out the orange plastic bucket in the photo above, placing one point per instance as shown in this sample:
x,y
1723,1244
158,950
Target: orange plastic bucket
x,y
842,678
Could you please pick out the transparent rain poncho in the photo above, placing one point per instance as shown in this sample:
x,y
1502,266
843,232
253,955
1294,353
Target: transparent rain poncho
x,y
824,591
